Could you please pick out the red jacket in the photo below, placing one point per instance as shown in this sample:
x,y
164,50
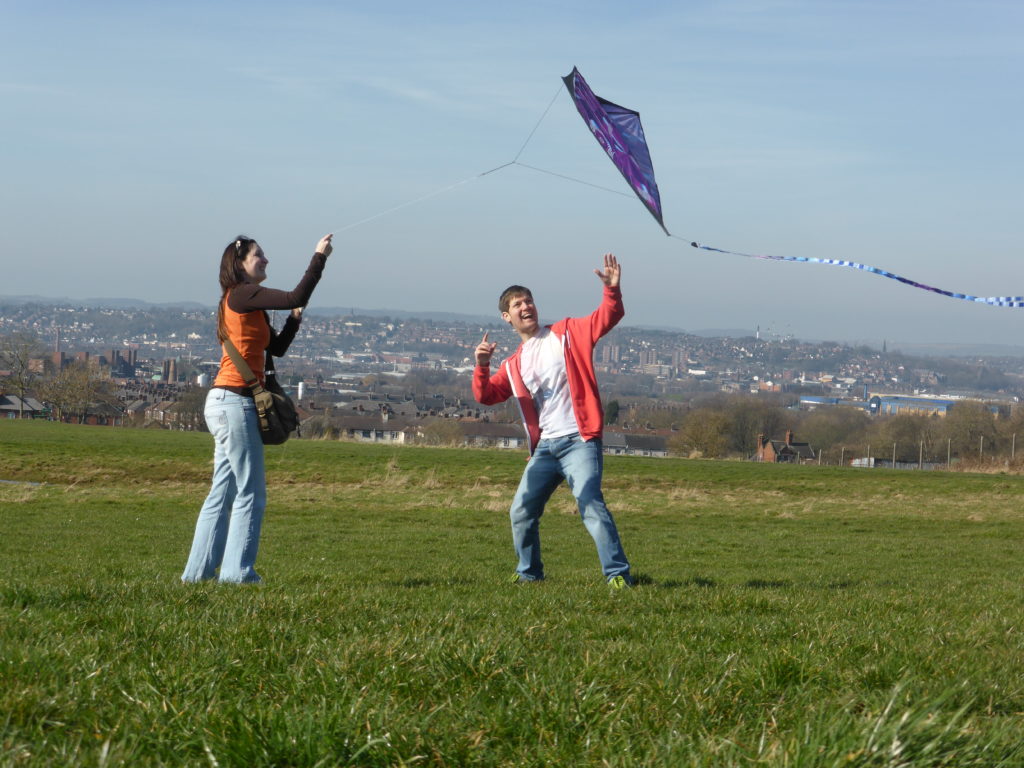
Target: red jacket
x,y
578,336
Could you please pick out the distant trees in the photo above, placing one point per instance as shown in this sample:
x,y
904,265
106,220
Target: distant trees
x,y
970,429
727,426
190,406
319,428
611,412
1011,432
826,428
442,432
912,435
17,353
750,417
68,391
968,426
437,382
705,433
650,414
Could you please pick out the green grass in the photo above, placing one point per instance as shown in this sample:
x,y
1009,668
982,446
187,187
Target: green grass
x,y
786,616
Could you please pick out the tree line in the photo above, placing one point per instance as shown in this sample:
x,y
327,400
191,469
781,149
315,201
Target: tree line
x,y
728,426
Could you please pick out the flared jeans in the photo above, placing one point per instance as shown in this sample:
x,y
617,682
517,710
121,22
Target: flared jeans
x,y
227,535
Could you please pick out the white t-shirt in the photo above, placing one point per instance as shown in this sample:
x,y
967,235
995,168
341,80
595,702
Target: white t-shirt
x,y
542,365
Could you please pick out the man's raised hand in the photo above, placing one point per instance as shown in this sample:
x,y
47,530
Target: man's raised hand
x,y
612,271
484,350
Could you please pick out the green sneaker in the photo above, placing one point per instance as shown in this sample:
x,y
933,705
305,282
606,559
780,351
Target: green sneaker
x,y
618,582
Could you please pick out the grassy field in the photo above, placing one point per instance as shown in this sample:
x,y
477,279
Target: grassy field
x,y
785,616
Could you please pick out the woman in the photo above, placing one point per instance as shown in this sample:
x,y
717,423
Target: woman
x,y
228,530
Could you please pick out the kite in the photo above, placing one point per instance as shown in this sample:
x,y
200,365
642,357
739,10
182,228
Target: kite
x,y
620,134
618,131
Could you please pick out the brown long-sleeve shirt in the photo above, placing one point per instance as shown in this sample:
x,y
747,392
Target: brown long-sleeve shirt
x,y
248,325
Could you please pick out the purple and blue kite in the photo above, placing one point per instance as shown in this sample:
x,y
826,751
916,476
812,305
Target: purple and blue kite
x,y
620,134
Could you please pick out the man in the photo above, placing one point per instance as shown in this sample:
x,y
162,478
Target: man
x,y
552,377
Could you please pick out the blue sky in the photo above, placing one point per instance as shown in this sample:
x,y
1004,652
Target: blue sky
x,y
140,137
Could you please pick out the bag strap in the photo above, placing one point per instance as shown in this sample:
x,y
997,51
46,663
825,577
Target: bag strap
x,y
243,367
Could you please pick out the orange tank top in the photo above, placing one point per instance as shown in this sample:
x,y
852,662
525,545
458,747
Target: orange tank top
x,y
250,333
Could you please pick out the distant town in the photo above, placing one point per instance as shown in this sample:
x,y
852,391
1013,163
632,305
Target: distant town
x,y
406,379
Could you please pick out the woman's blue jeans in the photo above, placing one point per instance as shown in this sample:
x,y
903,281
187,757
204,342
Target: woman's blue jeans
x,y
228,529
580,463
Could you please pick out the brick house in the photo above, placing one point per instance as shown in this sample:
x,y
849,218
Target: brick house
x,y
783,451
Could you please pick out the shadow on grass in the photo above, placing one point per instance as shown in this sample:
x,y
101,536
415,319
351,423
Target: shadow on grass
x,y
441,581
843,584
696,581
21,596
767,583
645,580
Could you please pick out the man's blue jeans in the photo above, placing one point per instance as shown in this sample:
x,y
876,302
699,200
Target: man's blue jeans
x,y
228,529
580,464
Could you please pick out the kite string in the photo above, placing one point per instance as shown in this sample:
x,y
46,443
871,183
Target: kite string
x,y
420,199
467,180
449,187
550,104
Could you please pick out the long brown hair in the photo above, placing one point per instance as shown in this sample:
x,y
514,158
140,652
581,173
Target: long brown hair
x,y
231,273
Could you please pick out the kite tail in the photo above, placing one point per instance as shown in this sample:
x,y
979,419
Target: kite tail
x,y
995,301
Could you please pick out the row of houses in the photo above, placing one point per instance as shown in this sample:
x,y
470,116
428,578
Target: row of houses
x,y
398,430
164,413
393,424
14,407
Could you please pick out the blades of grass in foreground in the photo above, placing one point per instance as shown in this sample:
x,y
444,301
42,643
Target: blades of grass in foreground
x,y
790,618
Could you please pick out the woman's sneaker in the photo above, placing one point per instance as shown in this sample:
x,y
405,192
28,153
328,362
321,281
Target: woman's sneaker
x,y
619,582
